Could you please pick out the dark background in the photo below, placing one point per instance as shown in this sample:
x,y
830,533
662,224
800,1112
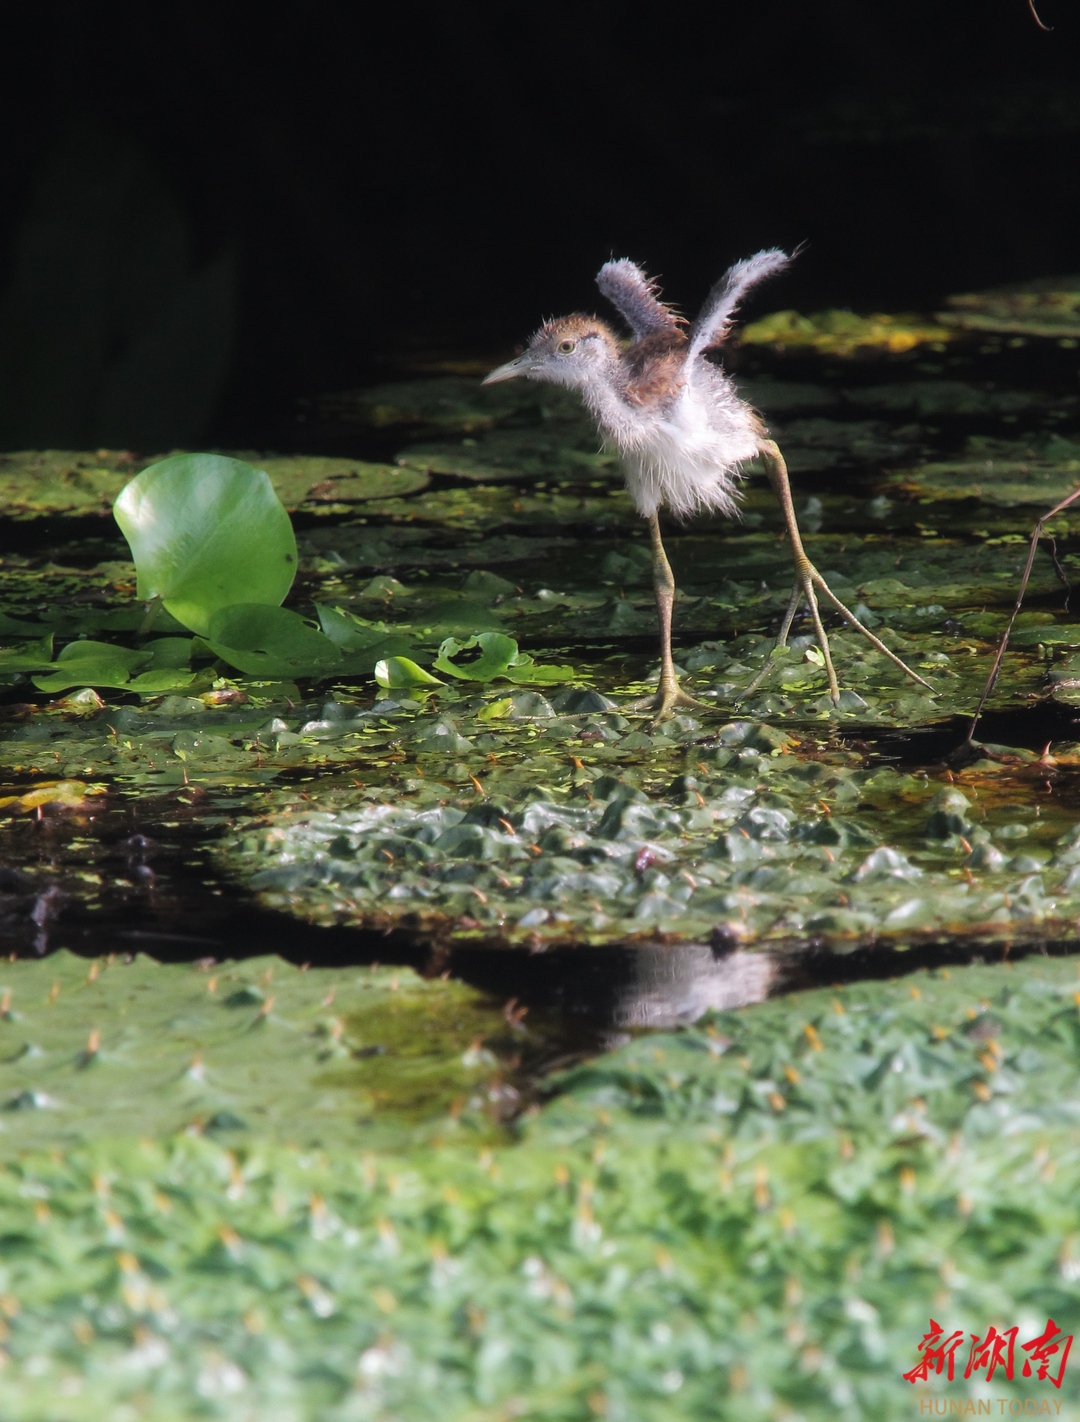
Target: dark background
x,y
209,213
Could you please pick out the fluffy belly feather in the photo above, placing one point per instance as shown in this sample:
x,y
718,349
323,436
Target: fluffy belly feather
x,y
686,469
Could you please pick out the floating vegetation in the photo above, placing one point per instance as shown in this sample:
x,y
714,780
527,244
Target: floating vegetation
x,y
1049,306
1038,471
35,483
447,404
843,333
115,1047
743,1217
753,839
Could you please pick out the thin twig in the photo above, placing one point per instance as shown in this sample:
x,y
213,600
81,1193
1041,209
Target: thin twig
x,y
1063,577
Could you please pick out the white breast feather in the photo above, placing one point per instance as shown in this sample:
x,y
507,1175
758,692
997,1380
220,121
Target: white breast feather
x,y
686,457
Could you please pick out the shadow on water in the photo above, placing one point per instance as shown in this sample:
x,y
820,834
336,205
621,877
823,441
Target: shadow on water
x,y
159,897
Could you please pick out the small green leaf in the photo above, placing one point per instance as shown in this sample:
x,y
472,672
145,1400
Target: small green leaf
x,y
151,683
207,532
496,710
525,670
397,672
499,656
363,643
498,652
18,627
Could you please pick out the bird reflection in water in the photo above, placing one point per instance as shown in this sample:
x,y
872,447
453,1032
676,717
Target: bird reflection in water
x,y
677,985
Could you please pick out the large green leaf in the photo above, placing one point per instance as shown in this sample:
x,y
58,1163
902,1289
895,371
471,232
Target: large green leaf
x,y
270,642
207,532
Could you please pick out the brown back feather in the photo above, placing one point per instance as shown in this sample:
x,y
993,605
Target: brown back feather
x,y
656,367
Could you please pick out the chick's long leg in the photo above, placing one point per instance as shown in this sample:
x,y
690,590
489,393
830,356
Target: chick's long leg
x,y
807,578
668,695
1033,546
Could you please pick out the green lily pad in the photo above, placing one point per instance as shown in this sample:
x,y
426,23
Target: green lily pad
x,y
71,483
1036,471
207,532
28,656
399,672
499,657
932,399
819,443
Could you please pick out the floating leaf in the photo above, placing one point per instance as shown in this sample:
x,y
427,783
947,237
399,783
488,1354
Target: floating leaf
x,y
153,683
207,532
520,456
448,404
304,479
497,652
91,664
499,657
266,641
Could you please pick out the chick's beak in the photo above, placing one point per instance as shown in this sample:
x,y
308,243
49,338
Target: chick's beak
x,y
510,371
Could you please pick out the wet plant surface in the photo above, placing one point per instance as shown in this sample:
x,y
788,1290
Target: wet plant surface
x,y
480,1034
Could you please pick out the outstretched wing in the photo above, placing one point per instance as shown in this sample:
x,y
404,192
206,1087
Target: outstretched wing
x,y
634,297
713,323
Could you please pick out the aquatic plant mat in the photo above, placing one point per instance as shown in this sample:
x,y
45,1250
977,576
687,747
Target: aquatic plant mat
x,y
399,1025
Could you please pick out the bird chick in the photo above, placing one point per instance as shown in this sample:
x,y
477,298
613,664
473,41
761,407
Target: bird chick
x,y
681,429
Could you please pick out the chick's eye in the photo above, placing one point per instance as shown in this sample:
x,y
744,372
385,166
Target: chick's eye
x,y
565,347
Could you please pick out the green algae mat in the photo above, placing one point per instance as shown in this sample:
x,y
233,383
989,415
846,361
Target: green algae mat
x,y
754,1217
259,1188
